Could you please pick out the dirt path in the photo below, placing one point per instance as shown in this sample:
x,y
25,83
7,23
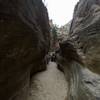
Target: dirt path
x,y
49,85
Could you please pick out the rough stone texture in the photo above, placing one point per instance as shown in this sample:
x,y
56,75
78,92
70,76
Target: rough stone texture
x,y
24,41
82,83
85,31
82,51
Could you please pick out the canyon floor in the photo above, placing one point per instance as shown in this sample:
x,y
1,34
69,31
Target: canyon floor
x,y
48,85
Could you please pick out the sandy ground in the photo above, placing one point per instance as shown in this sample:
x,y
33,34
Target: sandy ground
x,y
48,85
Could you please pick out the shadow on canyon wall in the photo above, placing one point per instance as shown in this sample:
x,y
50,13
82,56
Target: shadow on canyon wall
x,y
24,42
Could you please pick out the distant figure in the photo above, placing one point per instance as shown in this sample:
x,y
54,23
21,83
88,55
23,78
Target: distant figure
x,y
53,57
47,58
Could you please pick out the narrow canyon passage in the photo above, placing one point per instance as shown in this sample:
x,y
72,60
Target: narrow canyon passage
x,y
48,85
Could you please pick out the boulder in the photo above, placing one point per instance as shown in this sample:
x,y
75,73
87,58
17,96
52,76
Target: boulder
x,y
24,42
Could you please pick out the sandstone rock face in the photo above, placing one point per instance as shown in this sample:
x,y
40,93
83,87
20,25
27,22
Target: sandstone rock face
x,y
82,51
24,41
85,31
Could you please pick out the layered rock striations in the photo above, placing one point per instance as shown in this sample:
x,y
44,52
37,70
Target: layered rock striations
x,y
24,41
85,31
79,56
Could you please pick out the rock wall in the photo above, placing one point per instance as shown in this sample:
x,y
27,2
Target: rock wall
x,y
24,41
85,32
82,51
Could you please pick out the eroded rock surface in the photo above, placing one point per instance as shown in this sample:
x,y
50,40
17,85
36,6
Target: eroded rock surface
x,y
82,51
85,32
24,41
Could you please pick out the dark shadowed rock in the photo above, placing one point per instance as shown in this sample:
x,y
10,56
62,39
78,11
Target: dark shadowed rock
x,y
24,41
83,52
